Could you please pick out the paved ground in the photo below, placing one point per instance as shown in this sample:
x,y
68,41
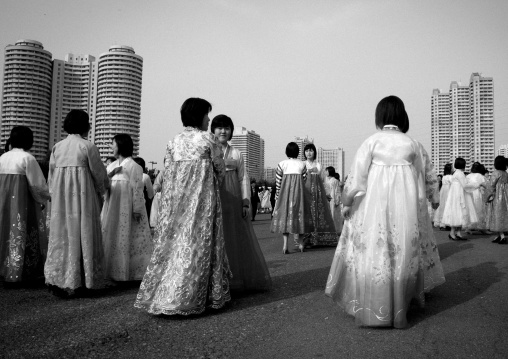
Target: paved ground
x,y
467,317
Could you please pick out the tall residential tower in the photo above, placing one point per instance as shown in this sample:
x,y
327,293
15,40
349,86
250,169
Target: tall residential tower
x,y
252,147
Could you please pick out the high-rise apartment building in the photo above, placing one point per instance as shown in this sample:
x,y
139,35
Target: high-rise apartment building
x,y
462,123
332,157
73,89
26,93
301,142
119,79
481,114
503,151
269,175
251,145
441,128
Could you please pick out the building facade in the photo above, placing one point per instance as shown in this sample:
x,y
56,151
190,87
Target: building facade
x,y
332,157
462,123
269,175
26,93
252,147
73,88
503,151
118,98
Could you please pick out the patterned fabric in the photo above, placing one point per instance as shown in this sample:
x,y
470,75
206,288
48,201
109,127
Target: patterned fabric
x,y
377,263
246,259
127,242
459,210
334,191
188,269
497,210
320,229
77,179
290,212
22,191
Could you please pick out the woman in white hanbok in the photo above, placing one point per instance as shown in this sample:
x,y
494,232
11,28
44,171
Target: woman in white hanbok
x,y
459,211
446,181
125,231
477,179
376,270
333,189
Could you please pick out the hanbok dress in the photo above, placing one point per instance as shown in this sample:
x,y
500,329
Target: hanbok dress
x,y
377,262
189,269
477,179
443,196
334,190
497,209
431,270
320,228
148,193
459,210
289,215
77,180
245,257
157,188
265,200
127,242
23,190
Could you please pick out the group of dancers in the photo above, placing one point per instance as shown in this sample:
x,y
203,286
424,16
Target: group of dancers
x,y
476,202
204,245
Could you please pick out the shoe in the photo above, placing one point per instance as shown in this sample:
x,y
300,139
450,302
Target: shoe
x,y
497,240
450,236
285,251
503,241
460,238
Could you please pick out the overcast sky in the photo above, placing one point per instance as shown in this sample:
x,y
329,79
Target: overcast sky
x,y
282,68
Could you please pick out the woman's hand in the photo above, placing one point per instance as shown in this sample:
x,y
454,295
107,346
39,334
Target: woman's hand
x,y
435,205
245,211
346,212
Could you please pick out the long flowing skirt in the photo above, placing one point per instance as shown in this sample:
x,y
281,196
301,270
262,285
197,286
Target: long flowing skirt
x,y
497,210
246,260
338,221
154,212
459,210
376,265
20,248
127,242
438,214
319,225
479,206
75,253
188,269
290,214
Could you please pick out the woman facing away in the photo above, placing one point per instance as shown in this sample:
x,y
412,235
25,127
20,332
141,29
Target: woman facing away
x,y
477,180
125,231
148,192
334,192
320,229
77,180
376,270
497,198
23,192
189,269
246,260
289,215
446,181
459,211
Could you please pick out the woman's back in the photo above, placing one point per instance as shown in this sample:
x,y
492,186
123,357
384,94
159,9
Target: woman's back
x,y
191,144
391,148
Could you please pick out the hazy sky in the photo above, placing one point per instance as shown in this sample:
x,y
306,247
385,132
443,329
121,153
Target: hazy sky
x,y
283,68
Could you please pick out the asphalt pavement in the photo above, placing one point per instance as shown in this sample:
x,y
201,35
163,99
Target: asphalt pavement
x,y
467,317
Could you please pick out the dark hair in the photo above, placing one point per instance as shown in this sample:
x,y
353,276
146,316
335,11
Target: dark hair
x,y
483,170
337,176
20,137
391,111
222,121
292,150
193,110
125,144
476,167
447,169
111,158
140,161
331,171
77,122
460,163
500,163
310,146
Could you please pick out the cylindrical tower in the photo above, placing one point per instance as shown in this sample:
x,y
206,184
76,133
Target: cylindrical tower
x,y
26,95
118,110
